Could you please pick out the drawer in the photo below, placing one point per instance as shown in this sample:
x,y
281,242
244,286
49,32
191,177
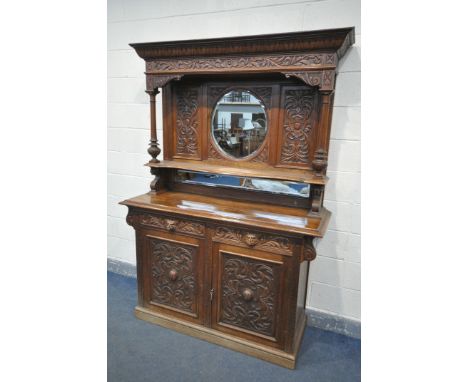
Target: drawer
x,y
261,241
166,223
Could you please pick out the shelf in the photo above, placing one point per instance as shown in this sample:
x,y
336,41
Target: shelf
x,y
295,175
257,215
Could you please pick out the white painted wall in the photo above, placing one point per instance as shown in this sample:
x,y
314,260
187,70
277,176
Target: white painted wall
x,y
336,273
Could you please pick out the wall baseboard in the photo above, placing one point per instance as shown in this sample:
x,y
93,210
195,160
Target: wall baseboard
x,y
121,267
333,323
315,318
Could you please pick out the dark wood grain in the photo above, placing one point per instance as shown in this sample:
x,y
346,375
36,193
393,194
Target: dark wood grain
x,y
230,265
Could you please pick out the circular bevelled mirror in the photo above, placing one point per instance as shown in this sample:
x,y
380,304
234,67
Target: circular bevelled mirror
x,y
239,124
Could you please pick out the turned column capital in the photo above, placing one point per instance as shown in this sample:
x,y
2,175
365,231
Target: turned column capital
x,y
153,93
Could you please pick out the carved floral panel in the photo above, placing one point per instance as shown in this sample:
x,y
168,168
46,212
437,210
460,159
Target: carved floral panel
x,y
187,122
299,105
249,294
173,276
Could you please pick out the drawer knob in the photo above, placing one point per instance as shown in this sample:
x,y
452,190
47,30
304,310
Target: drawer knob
x,y
251,239
173,275
247,294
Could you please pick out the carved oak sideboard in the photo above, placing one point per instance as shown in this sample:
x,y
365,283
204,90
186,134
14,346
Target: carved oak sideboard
x,y
225,235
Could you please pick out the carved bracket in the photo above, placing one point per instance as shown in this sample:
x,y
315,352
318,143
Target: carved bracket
x,y
154,81
155,185
308,252
317,199
324,79
131,218
320,162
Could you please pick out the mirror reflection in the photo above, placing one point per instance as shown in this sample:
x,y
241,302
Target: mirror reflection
x,y
242,182
239,123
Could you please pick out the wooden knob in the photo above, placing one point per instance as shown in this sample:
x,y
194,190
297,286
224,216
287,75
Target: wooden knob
x,y
173,274
247,294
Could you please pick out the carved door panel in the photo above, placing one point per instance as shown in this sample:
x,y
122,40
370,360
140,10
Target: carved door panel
x,y
248,287
173,279
298,118
187,140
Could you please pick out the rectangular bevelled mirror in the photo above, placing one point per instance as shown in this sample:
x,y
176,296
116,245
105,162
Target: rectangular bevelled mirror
x,y
296,189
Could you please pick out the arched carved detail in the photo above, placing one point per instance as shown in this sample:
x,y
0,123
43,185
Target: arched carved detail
x,y
213,153
214,94
324,79
154,81
264,93
263,155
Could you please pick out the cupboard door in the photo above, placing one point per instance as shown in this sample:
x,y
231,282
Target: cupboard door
x,y
248,290
174,275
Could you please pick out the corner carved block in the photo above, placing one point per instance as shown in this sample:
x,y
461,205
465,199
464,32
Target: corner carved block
x,y
297,126
172,225
173,275
249,291
187,122
274,244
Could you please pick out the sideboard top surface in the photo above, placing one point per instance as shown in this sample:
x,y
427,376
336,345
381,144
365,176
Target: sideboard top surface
x,y
267,216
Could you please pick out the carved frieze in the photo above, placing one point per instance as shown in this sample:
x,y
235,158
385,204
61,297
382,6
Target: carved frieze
x,y
187,124
172,225
221,63
173,275
260,241
297,126
249,290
